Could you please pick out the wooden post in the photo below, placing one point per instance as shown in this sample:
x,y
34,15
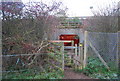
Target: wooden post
x,y
70,59
53,48
72,56
62,51
75,56
81,56
85,49
72,43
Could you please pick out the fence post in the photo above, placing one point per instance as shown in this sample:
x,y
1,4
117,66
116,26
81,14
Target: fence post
x,y
81,55
118,53
85,49
1,50
62,51
72,43
118,39
75,55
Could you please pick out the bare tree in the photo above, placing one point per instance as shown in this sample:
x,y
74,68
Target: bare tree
x,y
30,23
27,30
104,19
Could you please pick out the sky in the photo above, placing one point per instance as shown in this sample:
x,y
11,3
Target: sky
x,y
81,7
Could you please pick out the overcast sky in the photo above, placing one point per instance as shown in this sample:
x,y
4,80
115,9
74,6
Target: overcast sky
x,y
81,7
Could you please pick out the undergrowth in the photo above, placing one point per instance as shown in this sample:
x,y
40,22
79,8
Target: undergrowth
x,y
32,74
96,69
48,67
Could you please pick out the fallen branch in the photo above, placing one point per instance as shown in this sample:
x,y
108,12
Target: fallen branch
x,y
37,52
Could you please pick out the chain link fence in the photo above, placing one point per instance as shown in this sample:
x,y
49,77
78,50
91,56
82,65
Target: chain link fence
x,y
106,45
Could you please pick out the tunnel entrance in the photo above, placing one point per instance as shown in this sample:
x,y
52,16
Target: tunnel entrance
x,y
70,37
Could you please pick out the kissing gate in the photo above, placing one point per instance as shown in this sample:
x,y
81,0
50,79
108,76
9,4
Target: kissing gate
x,y
71,36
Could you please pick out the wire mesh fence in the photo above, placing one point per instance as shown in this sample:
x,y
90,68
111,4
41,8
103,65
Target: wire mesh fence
x,y
106,46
